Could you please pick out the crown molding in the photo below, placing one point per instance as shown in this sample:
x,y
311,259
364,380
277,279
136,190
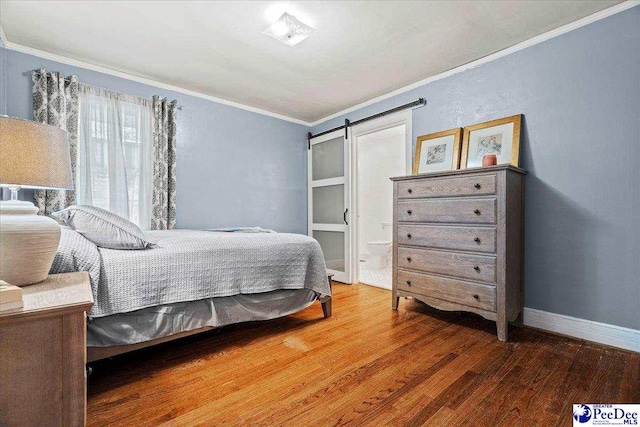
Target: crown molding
x,y
93,67
605,13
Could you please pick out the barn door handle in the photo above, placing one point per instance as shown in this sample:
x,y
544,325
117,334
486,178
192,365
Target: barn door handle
x,y
344,216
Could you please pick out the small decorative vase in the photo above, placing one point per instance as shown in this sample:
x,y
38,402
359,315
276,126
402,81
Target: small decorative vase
x,y
489,160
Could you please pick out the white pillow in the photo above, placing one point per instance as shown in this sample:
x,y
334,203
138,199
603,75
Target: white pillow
x,y
104,228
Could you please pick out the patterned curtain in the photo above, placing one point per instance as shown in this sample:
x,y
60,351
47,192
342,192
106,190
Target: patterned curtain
x,y
55,102
163,201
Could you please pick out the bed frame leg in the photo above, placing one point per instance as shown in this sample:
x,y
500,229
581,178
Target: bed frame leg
x,y
326,306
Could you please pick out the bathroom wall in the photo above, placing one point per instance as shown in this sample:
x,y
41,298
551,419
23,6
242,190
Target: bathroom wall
x,y
580,96
381,155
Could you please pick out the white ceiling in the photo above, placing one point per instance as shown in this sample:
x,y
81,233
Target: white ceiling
x,y
360,49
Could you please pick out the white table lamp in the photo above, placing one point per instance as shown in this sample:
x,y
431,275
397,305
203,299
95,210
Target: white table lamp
x,y
32,155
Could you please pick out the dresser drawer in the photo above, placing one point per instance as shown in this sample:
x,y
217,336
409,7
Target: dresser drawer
x,y
448,187
466,266
452,290
476,239
466,211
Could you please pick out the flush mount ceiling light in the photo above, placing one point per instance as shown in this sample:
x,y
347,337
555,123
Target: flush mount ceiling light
x,y
289,30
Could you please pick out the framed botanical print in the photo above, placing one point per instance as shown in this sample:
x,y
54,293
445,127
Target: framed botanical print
x,y
438,152
500,137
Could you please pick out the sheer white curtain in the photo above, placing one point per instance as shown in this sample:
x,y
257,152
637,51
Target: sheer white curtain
x,y
115,170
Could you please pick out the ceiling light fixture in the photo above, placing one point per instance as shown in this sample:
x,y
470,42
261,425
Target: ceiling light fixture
x,y
289,30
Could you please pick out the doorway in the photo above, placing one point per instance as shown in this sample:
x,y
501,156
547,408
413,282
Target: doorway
x,y
350,196
382,149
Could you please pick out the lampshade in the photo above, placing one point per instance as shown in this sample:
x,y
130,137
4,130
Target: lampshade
x,y
34,155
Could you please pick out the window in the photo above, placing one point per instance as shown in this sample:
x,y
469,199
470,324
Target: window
x,y
114,169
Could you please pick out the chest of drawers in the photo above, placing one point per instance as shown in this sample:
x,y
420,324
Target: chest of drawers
x,y
458,242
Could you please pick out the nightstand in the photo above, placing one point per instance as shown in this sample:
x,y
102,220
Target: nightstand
x,y
43,354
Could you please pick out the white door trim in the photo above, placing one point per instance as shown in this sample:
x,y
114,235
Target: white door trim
x,y
401,118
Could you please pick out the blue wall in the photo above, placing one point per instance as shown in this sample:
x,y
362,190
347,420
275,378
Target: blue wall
x,y
579,93
580,96
234,167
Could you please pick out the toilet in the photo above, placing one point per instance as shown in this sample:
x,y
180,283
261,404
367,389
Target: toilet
x,y
379,249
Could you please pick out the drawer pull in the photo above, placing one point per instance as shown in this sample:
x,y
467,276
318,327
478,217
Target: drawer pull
x,y
476,296
408,259
477,240
476,268
409,212
409,236
476,211
408,282
478,185
409,191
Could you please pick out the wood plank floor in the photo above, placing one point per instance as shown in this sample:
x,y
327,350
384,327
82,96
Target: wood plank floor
x,y
367,365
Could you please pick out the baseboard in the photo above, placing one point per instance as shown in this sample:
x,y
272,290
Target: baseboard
x,y
603,333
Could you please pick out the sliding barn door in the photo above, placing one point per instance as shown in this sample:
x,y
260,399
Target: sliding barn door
x,y
329,201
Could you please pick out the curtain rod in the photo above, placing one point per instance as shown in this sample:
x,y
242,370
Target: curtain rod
x,y
66,79
419,103
38,73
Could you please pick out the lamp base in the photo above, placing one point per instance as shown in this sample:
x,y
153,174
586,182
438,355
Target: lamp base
x,y
28,243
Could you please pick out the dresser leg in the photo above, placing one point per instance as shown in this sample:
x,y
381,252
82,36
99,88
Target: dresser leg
x,y
503,330
395,300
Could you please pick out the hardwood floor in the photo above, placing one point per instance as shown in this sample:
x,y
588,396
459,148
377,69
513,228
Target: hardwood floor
x,y
367,365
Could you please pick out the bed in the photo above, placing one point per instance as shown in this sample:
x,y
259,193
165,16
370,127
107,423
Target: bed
x,y
191,281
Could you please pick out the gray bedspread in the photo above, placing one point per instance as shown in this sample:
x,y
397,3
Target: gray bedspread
x,y
189,265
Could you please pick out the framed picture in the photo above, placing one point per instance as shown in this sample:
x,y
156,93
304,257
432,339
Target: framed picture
x,y
438,152
500,137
